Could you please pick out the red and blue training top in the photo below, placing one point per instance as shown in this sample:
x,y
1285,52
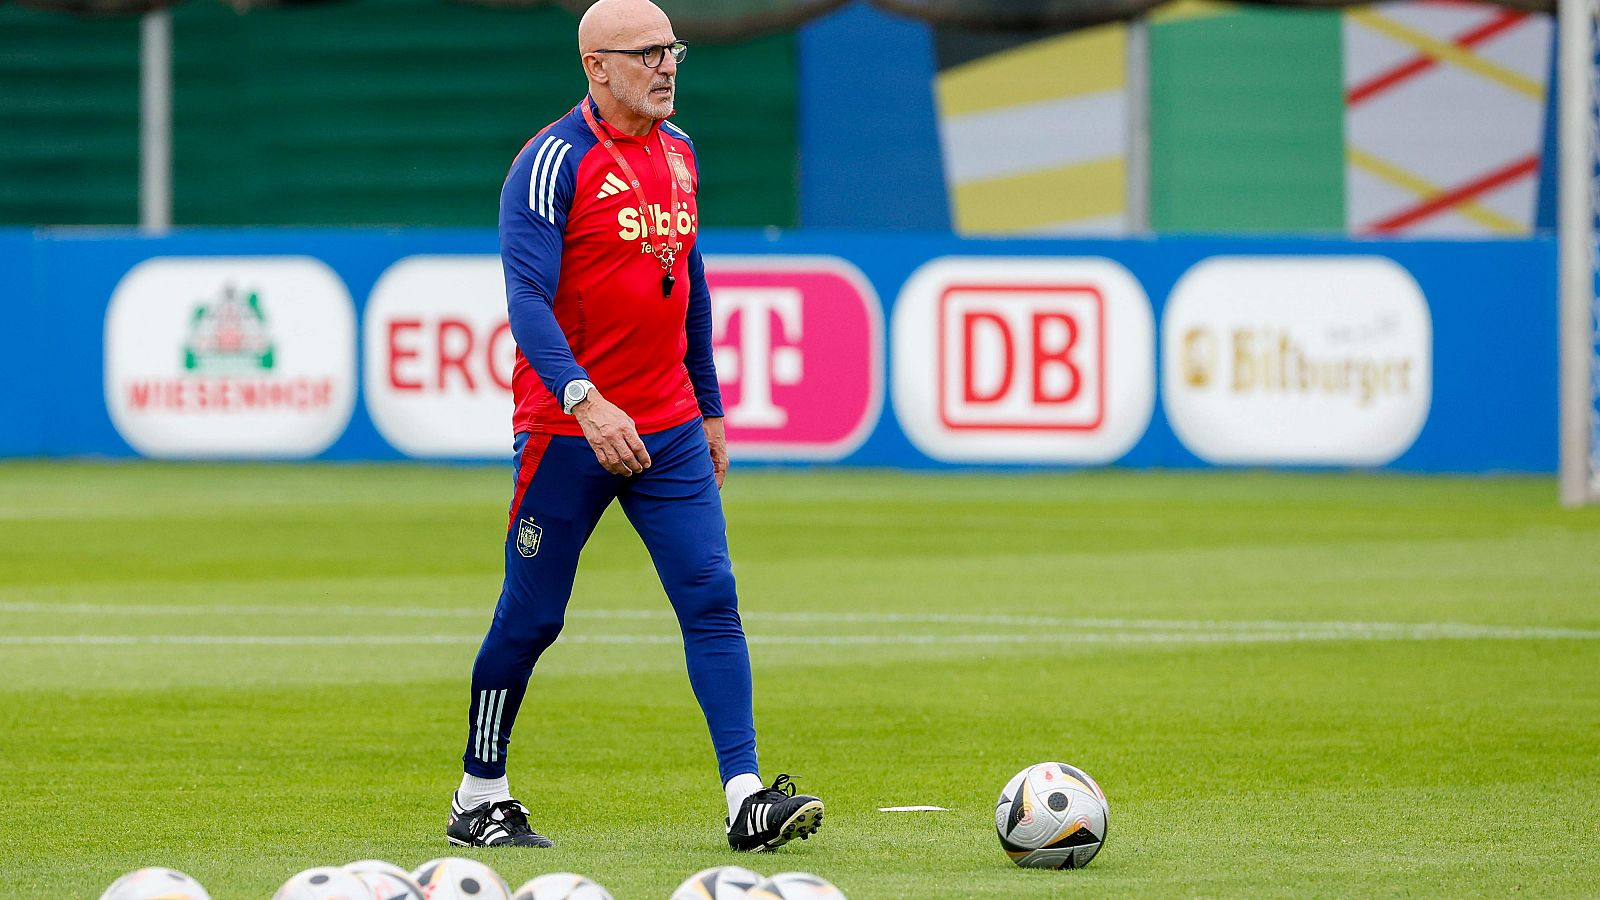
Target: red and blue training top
x,y
583,289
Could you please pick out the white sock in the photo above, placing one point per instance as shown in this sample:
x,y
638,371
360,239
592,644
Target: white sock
x,y
738,788
475,790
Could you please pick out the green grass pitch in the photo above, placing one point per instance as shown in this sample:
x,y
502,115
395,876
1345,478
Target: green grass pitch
x,y
1288,685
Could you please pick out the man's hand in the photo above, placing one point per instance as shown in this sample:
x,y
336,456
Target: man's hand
x,y
611,435
717,440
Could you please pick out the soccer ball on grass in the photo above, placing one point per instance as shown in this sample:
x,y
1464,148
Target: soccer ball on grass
x,y
561,886
387,880
155,882
795,886
324,883
1051,816
455,878
720,883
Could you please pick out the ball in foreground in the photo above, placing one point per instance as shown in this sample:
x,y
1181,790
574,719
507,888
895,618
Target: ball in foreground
x,y
323,883
720,883
386,880
155,882
455,878
561,886
1051,816
795,886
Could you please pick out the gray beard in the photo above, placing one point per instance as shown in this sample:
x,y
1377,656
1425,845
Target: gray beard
x,y
640,103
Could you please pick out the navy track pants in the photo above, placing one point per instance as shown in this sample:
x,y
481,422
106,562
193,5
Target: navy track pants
x,y
561,492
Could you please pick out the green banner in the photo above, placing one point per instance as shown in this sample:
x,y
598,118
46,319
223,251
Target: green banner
x,y
1247,120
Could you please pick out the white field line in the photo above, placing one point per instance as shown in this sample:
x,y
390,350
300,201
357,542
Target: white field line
x,y
1419,633
1210,629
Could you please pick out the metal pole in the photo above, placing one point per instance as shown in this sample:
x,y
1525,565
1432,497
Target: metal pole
x,y
1137,96
155,122
1577,243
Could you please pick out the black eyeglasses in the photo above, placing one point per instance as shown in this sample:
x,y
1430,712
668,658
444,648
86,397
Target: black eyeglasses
x,y
653,55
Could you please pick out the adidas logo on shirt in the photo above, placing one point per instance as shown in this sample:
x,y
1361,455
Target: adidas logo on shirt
x,y
612,187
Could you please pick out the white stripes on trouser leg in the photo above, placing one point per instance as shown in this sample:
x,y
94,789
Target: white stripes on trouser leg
x,y
477,726
494,742
491,705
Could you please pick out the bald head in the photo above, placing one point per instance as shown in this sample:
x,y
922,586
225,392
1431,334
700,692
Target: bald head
x,y
613,24
631,95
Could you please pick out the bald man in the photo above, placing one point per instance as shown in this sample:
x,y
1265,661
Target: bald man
x,y
616,399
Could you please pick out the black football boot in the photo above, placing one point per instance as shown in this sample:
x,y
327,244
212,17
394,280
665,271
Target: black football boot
x,y
774,816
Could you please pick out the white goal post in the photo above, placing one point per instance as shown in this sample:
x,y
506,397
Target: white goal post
x,y
1578,142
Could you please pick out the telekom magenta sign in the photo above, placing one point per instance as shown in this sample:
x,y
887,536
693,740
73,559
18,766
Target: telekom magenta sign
x,y
799,351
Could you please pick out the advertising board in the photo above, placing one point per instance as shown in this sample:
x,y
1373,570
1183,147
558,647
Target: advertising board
x,y
1297,360
378,344
230,357
797,341
1023,360
439,354
799,352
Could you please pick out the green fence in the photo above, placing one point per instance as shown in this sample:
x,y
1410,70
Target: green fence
x,y
69,119
382,112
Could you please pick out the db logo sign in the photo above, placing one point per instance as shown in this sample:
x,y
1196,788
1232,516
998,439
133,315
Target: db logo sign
x,y
439,355
1022,357
799,354
1024,360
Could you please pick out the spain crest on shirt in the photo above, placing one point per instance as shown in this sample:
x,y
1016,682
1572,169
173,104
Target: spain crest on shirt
x,y
680,168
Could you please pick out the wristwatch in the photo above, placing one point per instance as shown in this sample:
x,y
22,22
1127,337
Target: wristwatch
x,y
576,392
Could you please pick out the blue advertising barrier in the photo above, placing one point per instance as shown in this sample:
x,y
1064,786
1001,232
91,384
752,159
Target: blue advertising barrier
x,y
21,372
1491,309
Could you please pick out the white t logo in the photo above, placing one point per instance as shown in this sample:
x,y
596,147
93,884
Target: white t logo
x,y
758,362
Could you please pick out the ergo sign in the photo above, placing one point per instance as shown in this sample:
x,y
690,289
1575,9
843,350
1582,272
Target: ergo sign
x,y
1023,360
438,357
797,342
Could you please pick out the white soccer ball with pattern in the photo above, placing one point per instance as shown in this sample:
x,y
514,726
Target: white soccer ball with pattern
x,y
720,883
561,886
455,878
324,883
155,883
387,880
795,886
1051,816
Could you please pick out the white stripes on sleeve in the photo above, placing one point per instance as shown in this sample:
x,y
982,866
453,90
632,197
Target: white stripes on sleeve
x,y
542,177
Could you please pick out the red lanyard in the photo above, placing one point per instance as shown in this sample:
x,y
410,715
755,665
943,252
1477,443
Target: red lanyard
x,y
665,254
